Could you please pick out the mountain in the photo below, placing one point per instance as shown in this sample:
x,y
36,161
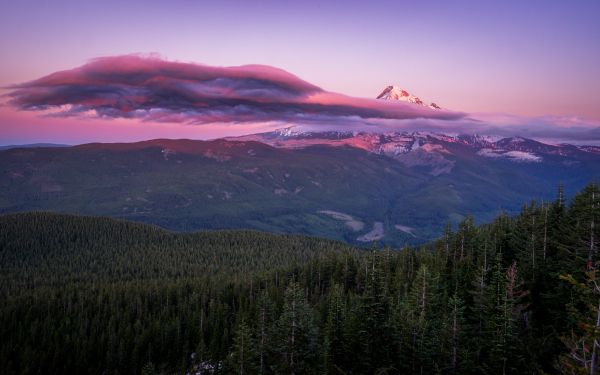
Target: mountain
x,y
430,149
396,93
33,145
359,187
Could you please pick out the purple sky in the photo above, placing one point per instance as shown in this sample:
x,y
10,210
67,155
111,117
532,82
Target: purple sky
x,y
525,58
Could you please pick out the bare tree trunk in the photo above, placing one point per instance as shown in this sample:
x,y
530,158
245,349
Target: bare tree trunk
x,y
424,293
485,256
201,355
454,338
373,268
545,231
345,271
561,196
594,364
262,339
202,321
454,251
533,241
411,268
447,242
481,291
293,338
592,239
242,356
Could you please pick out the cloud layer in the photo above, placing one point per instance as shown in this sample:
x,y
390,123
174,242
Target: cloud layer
x,y
149,88
155,90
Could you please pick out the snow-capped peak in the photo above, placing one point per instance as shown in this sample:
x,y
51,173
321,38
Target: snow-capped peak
x,y
289,131
396,93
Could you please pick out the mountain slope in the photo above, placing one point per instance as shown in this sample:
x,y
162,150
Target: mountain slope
x,y
394,188
42,249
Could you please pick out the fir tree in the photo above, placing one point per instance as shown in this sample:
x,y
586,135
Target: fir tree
x,y
243,357
295,348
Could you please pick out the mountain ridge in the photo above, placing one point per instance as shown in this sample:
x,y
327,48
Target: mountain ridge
x,y
394,143
350,186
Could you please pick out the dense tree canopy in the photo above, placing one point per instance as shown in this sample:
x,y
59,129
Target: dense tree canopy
x,y
93,295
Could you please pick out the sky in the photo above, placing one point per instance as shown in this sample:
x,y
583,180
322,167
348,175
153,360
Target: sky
x,y
510,62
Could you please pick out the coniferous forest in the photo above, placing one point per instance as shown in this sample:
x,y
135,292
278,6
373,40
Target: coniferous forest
x,y
88,295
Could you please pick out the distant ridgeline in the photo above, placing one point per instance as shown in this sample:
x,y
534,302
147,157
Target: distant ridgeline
x,y
395,188
100,296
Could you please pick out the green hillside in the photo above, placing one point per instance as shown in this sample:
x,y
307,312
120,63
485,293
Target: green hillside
x,y
46,249
189,185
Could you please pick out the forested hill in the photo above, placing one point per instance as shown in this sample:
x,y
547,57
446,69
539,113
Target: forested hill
x,y
343,193
516,296
40,248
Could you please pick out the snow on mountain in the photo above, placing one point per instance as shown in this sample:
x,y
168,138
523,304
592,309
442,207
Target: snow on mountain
x,y
396,93
290,131
591,149
432,150
518,156
474,140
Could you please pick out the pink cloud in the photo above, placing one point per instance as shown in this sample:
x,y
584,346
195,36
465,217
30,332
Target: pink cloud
x,y
152,89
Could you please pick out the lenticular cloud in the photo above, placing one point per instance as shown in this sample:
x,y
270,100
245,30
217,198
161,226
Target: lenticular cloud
x,y
153,89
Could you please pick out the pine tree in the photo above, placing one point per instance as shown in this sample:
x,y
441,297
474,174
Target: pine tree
x,y
262,328
424,320
243,357
479,310
295,348
335,329
455,327
583,341
375,329
503,311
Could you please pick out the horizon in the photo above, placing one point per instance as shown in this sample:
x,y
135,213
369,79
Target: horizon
x,y
537,72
